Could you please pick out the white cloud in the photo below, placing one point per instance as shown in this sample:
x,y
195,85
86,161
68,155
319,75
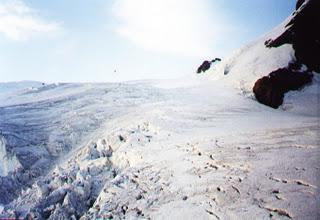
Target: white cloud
x,y
20,22
187,27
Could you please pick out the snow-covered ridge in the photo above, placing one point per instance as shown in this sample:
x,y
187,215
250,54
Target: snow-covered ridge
x,y
10,87
255,60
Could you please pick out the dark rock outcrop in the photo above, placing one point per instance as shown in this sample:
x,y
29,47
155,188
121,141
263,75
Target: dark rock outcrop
x,y
206,65
270,90
299,3
303,33
216,59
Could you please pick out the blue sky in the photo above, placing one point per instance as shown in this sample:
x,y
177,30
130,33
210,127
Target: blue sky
x,y
86,40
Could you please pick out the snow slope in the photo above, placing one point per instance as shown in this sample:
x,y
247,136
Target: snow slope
x,y
243,68
253,61
139,150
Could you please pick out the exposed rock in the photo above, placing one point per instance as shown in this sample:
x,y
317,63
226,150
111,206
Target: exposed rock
x,y
303,33
299,3
121,138
270,90
216,59
206,65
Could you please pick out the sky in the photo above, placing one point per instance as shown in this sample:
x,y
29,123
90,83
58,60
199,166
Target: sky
x,y
121,40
